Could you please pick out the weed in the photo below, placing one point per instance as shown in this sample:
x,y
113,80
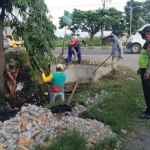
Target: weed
x,y
67,141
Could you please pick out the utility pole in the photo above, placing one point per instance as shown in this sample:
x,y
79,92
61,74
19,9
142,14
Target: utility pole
x,y
104,2
130,16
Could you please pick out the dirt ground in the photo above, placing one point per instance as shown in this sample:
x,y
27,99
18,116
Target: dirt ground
x,y
139,139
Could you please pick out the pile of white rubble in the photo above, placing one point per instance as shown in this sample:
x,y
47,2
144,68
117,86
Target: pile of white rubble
x,y
33,124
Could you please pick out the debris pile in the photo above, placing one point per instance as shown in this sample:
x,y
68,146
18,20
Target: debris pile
x,y
33,124
87,101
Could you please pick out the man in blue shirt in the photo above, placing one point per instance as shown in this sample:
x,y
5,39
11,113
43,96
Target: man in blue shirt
x,y
75,44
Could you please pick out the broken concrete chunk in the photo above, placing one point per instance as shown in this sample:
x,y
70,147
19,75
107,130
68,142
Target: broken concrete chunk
x,y
34,113
24,132
4,134
20,147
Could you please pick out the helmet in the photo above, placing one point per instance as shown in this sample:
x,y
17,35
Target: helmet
x,y
73,41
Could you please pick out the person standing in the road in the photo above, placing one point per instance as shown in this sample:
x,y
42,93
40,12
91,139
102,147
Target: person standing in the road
x,y
57,79
75,44
12,69
117,53
144,71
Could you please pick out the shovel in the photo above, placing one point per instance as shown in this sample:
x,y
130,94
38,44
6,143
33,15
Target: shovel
x,y
73,59
36,62
101,64
74,89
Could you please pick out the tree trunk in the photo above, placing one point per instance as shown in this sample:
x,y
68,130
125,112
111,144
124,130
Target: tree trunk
x,y
1,55
102,32
91,40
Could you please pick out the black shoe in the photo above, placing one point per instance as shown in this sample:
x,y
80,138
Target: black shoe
x,y
143,111
145,116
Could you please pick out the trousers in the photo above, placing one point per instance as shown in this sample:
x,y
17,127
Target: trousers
x,y
114,64
70,52
53,96
146,89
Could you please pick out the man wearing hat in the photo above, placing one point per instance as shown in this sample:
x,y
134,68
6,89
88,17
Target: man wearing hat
x,y
117,53
144,71
12,69
57,79
75,44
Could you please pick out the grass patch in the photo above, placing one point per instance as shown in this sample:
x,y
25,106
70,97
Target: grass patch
x,y
123,103
107,143
120,110
67,141
75,141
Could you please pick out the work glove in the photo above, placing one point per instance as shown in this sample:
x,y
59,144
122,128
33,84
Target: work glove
x,y
86,45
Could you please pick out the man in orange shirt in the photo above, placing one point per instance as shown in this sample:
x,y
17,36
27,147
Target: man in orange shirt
x,y
75,44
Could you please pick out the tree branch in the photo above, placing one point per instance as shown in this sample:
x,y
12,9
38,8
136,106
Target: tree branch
x,y
15,18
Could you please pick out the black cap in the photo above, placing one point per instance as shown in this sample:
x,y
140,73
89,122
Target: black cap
x,y
12,62
111,36
146,29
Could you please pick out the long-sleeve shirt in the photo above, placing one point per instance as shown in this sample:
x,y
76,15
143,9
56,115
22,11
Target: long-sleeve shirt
x,y
117,49
56,78
78,40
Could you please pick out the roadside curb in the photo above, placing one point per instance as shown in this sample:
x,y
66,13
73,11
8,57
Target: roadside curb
x,y
88,48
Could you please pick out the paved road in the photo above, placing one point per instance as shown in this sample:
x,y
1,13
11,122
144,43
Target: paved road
x,y
130,60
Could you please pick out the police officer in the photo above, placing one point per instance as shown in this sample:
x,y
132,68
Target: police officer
x,y
144,71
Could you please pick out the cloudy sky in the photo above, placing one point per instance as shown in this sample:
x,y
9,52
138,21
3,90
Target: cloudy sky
x,y
57,7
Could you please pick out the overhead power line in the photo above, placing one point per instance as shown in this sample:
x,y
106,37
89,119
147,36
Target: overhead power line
x,y
85,5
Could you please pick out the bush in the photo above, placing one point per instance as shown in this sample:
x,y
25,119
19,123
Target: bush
x,y
20,56
96,41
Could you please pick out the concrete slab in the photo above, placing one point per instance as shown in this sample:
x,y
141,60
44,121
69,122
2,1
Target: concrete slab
x,y
74,71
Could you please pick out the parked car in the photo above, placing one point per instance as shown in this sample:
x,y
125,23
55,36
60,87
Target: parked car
x,y
135,42
6,43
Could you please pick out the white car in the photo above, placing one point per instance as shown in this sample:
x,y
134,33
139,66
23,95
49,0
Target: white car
x,y
135,42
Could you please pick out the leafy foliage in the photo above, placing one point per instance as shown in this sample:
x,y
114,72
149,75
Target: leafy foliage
x,y
96,41
37,31
93,21
139,9
21,56
147,11
32,25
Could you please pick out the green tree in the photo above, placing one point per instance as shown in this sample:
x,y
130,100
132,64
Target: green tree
x,y
116,22
93,21
6,23
138,10
147,11
33,25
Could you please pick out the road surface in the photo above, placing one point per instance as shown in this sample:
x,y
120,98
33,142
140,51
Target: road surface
x,y
130,60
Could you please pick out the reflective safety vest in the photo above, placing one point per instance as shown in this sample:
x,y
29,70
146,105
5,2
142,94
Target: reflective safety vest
x,y
143,59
